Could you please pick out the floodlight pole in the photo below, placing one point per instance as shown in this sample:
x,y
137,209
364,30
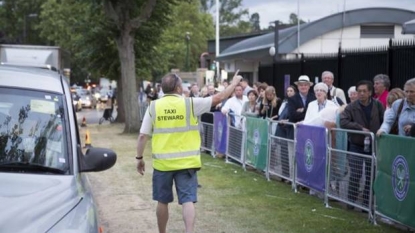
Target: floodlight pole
x,y
217,42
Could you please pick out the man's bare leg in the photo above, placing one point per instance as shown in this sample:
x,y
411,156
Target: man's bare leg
x,y
162,216
189,215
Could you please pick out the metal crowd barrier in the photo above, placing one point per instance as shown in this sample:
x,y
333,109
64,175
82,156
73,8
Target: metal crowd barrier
x,y
207,135
281,152
350,175
236,138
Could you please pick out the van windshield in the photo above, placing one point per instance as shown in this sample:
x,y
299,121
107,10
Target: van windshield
x,y
32,131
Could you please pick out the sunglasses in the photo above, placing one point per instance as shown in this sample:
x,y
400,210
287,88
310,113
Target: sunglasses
x,y
176,78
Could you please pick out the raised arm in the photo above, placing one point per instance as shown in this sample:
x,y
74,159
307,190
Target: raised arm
x,y
219,97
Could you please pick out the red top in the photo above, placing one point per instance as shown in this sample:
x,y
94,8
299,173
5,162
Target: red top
x,y
382,98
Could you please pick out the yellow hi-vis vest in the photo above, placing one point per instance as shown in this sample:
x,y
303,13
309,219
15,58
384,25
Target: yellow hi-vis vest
x,y
176,138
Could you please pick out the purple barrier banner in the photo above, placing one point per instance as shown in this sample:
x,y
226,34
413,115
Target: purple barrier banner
x,y
311,156
220,131
287,81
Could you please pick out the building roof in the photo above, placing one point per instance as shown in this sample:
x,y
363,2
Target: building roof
x,y
408,27
257,47
227,41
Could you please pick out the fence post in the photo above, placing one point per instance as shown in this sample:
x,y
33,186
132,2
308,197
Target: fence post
x,y
389,66
302,61
339,66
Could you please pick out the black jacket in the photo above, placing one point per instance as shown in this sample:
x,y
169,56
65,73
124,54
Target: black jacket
x,y
271,110
295,102
354,118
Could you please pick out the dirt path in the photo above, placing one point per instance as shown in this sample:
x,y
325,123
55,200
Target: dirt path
x,y
123,196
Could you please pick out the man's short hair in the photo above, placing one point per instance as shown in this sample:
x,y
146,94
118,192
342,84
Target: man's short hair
x,y
170,82
245,80
327,72
263,86
368,83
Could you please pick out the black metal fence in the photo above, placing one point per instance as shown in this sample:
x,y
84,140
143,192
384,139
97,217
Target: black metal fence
x,y
348,66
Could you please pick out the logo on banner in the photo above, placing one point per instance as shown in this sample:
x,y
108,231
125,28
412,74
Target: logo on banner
x,y
257,141
309,155
400,177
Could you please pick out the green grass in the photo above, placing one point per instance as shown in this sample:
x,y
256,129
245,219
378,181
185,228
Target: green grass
x,y
248,201
231,200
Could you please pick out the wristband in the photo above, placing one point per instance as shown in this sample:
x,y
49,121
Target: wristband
x,y
139,157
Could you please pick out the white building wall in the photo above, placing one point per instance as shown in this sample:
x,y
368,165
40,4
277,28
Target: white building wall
x,y
242,66
329,42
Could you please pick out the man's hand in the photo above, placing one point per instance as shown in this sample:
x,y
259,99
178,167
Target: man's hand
x,y
236,78
379,132
407,128
141,166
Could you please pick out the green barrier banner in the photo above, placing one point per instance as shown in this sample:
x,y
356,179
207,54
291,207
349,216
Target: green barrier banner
x,y
256,142
395,178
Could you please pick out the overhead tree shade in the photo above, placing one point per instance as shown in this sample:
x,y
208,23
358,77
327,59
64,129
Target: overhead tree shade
x,y
408,27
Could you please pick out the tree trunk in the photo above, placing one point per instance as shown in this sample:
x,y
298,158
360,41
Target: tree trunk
x,y
120,104
125,44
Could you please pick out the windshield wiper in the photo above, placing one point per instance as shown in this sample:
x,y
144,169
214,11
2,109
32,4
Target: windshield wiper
x,y
29,167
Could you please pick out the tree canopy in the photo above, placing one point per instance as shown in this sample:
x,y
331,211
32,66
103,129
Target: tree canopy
x,y
125,40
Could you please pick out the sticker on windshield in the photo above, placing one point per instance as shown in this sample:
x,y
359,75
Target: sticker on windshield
x,y
48,97
42,106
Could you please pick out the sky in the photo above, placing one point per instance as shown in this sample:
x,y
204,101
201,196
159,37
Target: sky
x,y
310,10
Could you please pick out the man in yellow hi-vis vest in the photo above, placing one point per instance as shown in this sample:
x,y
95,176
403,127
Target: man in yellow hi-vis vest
x,y
172,123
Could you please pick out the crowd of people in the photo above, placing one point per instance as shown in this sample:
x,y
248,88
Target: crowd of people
x,y
370,107
320,104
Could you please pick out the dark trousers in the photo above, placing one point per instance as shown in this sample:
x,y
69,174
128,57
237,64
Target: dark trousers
x,y
356,166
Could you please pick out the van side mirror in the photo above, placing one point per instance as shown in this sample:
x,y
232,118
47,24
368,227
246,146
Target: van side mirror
x,y
97,159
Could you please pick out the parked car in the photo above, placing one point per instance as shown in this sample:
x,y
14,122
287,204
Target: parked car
x,y
87,99
42,166
76,100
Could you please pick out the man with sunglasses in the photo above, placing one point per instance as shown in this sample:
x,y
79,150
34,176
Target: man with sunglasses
x,y
172,123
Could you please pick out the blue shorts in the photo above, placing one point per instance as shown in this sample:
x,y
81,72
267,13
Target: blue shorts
x,y
185,182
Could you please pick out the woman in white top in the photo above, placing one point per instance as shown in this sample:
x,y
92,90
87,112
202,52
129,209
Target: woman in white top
x,y
315,108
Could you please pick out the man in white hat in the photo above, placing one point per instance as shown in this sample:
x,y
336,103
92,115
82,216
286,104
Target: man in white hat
x,y
297,107
297,104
